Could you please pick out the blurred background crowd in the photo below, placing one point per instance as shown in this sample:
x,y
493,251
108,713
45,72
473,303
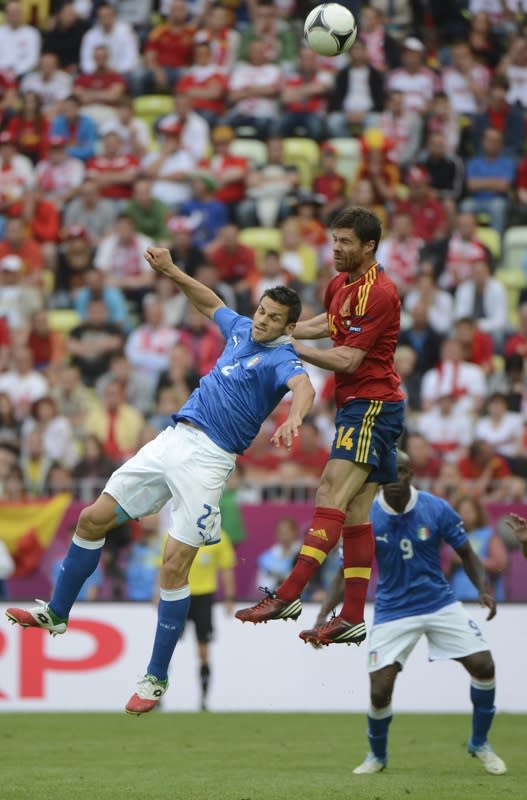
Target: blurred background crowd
x,y
209,128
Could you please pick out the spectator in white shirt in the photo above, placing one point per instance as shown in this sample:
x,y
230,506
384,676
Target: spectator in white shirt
x,y
19,44
148,346
49,82
117,36
501,428
399,252
21,382
401,127
59,176
447,429
170,168
439,303
514,66
483,298
413,79
454,376
465,82
121,257
254,92
195,131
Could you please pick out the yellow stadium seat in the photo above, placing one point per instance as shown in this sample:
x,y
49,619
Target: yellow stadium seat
x,y
252,149
261,240
64,320
304,154
514,281
348,157
515,247
491,239
152,106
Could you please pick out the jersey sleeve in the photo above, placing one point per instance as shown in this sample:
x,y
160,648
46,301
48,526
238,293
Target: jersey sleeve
x,y
288,367
451,526
378,311
226,319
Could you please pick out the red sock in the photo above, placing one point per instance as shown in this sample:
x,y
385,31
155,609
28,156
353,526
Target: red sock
x,y
359,549
320,540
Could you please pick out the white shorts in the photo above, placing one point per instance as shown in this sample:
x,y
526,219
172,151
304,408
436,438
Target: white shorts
x,y
183,466
450,632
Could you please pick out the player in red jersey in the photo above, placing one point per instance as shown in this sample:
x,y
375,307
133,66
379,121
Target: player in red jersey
x,y
362,317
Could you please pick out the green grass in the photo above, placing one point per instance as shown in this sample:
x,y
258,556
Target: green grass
x,y
249,757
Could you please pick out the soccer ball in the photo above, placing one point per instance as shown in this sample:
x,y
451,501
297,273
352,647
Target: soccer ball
x,y
330,29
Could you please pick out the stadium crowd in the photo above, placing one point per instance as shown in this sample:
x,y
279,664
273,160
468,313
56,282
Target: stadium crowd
x,y
211,129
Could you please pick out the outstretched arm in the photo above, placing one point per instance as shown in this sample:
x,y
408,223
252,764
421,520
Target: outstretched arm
x,y
476,572
199,295
519,527
314,328
303,396
336,359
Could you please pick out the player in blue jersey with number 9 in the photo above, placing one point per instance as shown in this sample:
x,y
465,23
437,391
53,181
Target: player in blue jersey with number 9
x,y
189,464
414,599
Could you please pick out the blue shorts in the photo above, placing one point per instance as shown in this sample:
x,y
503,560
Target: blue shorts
x,y
367,433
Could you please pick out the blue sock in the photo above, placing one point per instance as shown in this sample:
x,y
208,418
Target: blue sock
x,y
378,723
81,560
482,694
171,617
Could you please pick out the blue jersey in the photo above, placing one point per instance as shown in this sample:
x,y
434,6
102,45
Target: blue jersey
x,y
247,382
407,548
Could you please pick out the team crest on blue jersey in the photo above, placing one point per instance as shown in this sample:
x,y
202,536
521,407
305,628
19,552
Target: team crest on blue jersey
x,y
252,362
423,534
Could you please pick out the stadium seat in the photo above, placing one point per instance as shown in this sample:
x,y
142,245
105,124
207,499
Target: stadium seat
x,y
64,320
261,239
514,247
514,280
348,157
152,106
253,150
305,155
491,239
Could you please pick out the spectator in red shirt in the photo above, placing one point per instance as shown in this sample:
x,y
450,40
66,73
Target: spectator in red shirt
x,y
377,166
427,212
46,345
304,96
477,346
168,50
235,261
203,338
18,242
103,85
30,128
113,170
205,83
227,170
308,452
425,464
485,472
330,184
517,342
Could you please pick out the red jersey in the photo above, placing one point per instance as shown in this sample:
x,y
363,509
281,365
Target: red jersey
x,y
172,46
201,79
99,81
366,314
100,164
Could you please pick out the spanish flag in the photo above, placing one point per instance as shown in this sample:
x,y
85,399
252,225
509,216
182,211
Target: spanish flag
x,y
29,528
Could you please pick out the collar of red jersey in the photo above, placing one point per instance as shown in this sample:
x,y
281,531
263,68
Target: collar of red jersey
x,y
409,506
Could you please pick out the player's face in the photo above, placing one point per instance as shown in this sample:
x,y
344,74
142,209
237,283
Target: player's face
x,y
270,321
349,253
396,494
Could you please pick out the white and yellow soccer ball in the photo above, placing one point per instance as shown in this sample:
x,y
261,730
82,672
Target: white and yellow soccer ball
x,y
330,29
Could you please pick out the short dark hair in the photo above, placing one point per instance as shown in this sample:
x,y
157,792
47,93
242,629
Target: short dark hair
x,y
366,224
285,297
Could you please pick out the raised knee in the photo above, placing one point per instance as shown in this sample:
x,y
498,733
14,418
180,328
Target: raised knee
x,y
483,669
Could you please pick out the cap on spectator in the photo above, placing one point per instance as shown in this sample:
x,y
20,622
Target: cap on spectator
x,y
207,179
6,137
202,37
170,128
179,225
222,133
412,43
76,232
110,126
58,141
416,175
11,263
327,147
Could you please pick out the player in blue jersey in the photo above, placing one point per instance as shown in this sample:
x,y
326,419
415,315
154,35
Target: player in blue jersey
x,y
414,599
189,464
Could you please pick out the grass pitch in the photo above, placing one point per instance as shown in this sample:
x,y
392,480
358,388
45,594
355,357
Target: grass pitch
x,y
204,756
